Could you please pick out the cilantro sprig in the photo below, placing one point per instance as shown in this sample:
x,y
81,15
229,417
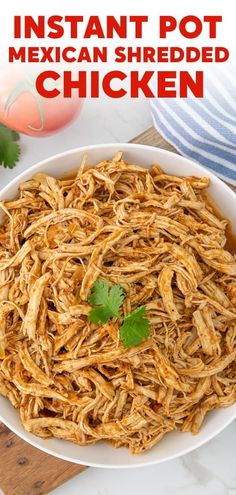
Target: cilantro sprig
x,y
107,303
136,327
9,148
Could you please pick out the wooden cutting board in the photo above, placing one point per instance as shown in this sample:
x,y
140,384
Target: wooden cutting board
x,y
25,470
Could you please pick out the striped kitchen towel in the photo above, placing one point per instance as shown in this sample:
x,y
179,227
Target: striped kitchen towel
x,y
203,129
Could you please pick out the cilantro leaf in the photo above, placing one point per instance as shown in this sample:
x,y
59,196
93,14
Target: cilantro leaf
x,y
9,149
108,301
100,314
136,328
99,292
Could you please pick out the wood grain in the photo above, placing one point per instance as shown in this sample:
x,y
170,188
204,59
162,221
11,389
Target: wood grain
x,y
25,470
152,138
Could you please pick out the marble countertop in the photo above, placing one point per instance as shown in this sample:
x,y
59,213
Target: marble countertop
x,y
210,470
100,121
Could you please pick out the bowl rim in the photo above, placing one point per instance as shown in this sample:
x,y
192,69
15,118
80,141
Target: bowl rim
x,y
74,460
118,145
126,147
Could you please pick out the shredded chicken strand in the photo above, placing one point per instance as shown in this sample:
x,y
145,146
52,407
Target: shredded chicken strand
x,y
158,237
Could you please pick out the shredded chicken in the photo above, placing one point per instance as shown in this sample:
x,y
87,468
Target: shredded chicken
x,y
158,237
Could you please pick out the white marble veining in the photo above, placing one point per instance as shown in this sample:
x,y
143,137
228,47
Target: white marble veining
x,y
210,470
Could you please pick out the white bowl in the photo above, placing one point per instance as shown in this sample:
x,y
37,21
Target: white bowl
x,y
174,444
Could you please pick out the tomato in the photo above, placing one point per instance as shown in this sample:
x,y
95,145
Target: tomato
x,y
24,110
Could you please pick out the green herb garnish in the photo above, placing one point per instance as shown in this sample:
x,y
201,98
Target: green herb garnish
x,y
136,328
107,301
9,148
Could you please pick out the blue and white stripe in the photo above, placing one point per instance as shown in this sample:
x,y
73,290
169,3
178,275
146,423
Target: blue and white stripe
x,y
203,129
